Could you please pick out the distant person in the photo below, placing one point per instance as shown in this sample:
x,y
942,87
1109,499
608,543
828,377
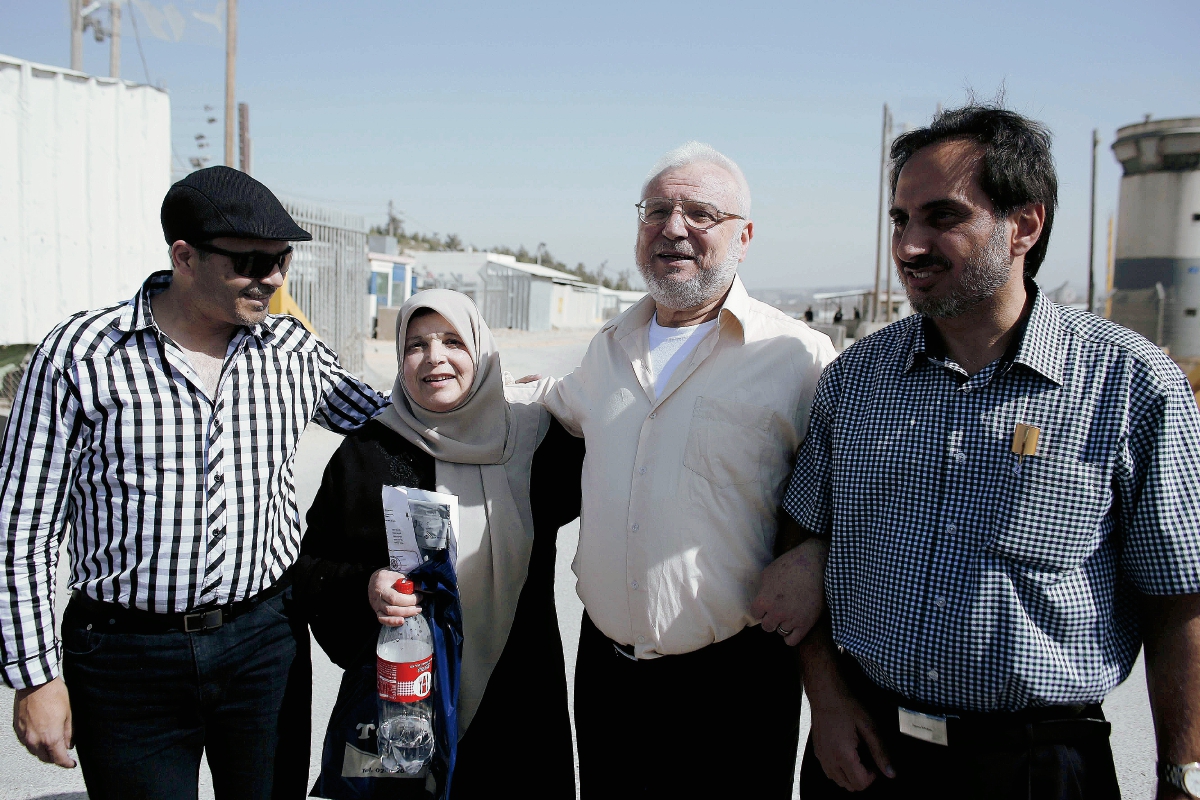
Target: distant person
x,y
516,474
161,432
857,315
837,315
692,404
808,314
1009,492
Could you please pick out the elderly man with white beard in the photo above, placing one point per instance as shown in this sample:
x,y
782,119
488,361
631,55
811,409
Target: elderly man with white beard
x,y
692,405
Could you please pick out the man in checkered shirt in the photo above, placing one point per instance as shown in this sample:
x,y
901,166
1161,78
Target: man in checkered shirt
x,y
1010,492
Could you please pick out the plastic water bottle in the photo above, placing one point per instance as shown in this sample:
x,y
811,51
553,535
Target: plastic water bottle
x,y
404,666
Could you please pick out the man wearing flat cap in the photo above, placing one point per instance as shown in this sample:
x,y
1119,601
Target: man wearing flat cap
x,y
160,433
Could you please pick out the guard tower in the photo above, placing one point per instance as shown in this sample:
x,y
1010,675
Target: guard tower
x,y
1156,275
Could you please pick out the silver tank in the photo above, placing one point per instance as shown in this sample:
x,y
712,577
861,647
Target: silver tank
x,y
1156,274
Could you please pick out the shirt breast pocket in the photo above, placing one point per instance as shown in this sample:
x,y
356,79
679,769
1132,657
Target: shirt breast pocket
x,y
729,443
1049,512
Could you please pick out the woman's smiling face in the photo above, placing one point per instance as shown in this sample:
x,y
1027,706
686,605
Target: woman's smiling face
x,y
438,368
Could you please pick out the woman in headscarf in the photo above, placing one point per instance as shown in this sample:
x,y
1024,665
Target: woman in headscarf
x,y
516,474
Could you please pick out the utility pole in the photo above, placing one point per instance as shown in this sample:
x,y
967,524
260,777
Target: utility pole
x,y
230,69
244,137
1108,265
76,6
1091,297
114,44
883,148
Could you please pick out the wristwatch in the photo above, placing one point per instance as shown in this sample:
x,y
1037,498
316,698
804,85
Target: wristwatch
x,y
1182,776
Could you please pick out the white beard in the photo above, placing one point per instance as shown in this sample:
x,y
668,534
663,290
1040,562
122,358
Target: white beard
x,y
708,284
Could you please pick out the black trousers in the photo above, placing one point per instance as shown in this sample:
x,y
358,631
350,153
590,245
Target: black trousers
x,y
723,721
1057,753
146,705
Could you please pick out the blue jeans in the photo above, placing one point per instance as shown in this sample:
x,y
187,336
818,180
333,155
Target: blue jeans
x,y
145,706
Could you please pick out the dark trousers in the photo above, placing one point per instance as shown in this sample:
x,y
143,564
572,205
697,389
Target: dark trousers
x,y
1058,753
146,705
723,721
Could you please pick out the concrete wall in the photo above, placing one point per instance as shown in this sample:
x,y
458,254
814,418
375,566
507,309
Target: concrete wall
x,y
1158,233
84,165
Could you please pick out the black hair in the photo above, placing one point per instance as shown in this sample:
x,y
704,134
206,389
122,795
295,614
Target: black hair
x,y
1017,167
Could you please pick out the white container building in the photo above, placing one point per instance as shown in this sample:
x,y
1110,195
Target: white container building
x,y
516,294
84,165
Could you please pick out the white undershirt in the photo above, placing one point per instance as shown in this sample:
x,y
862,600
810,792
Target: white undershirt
x,y
670,347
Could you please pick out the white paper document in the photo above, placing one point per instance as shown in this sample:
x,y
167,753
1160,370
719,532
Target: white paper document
x,y
418,522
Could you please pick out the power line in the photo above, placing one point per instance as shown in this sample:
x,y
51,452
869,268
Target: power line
x,y
138,38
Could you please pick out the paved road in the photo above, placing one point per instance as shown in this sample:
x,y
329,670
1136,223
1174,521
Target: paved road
x,y
23,778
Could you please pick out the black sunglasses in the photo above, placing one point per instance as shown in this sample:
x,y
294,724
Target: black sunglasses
x,y
253,264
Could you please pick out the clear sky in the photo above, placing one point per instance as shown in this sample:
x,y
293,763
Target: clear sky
x,y
517,123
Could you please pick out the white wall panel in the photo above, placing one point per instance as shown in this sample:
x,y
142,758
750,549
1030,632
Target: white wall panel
x,y
84,165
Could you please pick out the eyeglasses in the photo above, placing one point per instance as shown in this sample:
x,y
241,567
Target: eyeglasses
x,y
253,264
697,215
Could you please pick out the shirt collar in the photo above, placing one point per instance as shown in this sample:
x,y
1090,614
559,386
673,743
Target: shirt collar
x,y
1040,349
1036,344
139,315
736,306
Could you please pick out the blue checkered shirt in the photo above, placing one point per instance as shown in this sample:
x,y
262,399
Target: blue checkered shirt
x,y
966,577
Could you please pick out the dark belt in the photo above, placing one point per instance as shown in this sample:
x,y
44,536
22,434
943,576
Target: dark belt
x,y
1069,725
116,618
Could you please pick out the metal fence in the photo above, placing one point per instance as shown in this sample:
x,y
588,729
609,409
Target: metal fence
x,y
505,296
329,277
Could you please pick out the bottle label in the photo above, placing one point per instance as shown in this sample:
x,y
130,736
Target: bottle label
x,y
406,681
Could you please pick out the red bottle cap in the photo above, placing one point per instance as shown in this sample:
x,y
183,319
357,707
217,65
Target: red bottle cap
x,y
403,586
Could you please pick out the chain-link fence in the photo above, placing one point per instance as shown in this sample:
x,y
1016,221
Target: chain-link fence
x,y
329,277
14,360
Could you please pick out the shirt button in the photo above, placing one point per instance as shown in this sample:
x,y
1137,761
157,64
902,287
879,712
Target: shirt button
x,y
642,471
951,528
960,457
633,584
933,674
940,602
636,527
218,478
641,639
653,414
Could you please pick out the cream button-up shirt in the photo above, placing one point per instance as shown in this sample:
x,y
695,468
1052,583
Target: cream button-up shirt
x,y
681,493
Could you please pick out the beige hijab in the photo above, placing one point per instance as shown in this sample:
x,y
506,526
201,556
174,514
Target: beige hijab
x,y
484,451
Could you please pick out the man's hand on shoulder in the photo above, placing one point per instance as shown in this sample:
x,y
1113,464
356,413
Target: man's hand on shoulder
x,y
792,594
42,721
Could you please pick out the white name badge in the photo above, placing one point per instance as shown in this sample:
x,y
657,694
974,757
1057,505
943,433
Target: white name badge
x,y
926,727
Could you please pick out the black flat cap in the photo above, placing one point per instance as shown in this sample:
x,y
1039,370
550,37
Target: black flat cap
x,y
222,201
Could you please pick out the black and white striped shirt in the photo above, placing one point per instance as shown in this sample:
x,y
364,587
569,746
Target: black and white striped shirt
x,y
174,500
